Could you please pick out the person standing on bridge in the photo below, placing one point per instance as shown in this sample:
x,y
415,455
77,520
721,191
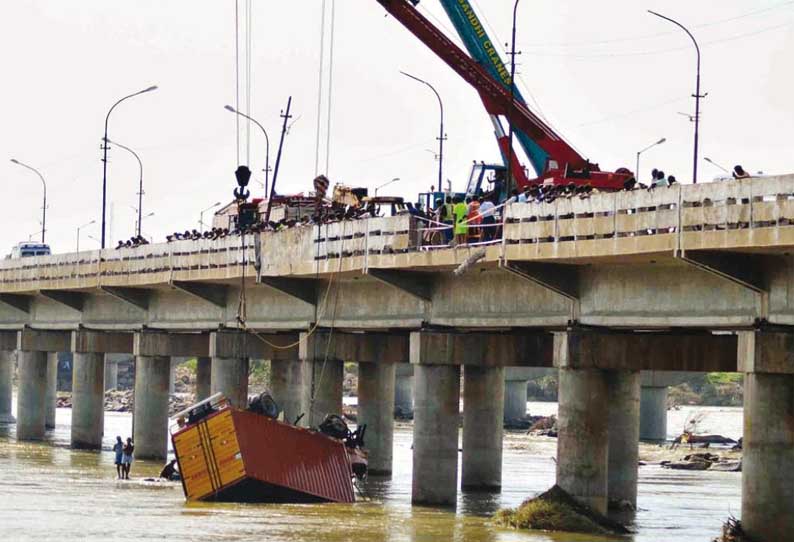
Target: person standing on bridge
x,y
461,212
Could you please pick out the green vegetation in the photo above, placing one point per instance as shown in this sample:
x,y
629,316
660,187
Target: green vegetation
x,y
556,510
191,364
259,375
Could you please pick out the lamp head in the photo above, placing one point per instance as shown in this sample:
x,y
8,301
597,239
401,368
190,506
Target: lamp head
x,y
151,88
15,161
230,108
707,159
661,141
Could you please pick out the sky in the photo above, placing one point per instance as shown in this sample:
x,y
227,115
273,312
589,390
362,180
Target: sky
x,y
607,75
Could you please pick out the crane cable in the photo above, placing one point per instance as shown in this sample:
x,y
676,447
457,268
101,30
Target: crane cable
x,y
320,93
330,89
237,72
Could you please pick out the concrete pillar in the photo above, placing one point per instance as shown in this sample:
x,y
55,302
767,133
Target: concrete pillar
x,y
52,389
375,409
230,377
172,376
483,416
768,460
203,378
653,414
404,391
624,436
583,442
151,406
88,398
111,374
328,380
32,395
289,383
7,358
515,400
436,419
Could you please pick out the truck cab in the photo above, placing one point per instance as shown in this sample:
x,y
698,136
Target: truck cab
x,y
28,249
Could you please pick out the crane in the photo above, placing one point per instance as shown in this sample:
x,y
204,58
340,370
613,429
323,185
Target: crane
x,y
563,164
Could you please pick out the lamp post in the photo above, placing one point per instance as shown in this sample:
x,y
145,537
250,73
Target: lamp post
x,y
105,156
138,225
140,180
713,163
697,94
78,233
267,142
386,184
652,145
44,205
201,215
441,136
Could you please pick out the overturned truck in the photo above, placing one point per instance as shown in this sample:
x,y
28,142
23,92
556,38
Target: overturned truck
x,y
231,455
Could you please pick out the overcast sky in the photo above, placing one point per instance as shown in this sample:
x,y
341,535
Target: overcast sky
x,y
608,76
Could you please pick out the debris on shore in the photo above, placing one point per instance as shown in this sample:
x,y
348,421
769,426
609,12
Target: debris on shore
x,y
704,461
122,401
732,531
544,426
557,510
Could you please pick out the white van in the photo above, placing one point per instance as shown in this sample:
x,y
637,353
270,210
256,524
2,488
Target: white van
x,y
28,249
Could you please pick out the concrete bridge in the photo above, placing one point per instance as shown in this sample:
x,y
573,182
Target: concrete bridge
x,y
686,278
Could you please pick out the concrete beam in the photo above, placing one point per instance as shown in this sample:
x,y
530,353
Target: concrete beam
x,y
762,351
358,347
665,351
417,284
746,270
301,289
19,302
39,340
158,344
101,342
73,300
209,292
483,349
239,344
559,278
137,297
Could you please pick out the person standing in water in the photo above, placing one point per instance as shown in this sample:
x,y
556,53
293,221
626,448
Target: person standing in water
x,y
126,459
118,448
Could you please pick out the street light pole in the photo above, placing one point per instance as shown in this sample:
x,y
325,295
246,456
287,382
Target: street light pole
x,y
44,205
201,215
78,233
138,226
652,145
140,181
441,135
105,156
386,184
267,143
697,94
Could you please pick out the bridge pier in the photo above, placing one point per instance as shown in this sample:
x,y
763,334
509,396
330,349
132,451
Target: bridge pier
x,y
768,445
52,389
7,358
376,410
404,391
653,413
436,415
483,422
111,373
88,400
624,436
288,385
203,378
32,395
515,394
230,377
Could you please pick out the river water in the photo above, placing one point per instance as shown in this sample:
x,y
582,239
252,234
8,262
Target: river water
x,y
49,492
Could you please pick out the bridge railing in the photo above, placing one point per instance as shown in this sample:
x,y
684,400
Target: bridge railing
x,y
739,204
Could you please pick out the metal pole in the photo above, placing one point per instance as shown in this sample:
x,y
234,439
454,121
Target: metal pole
x,y
267,143
44,205
105,158
697,94
509,179
441,136
639,152
140,182
286,116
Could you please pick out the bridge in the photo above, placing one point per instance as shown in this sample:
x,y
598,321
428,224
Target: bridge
x,y
685,278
